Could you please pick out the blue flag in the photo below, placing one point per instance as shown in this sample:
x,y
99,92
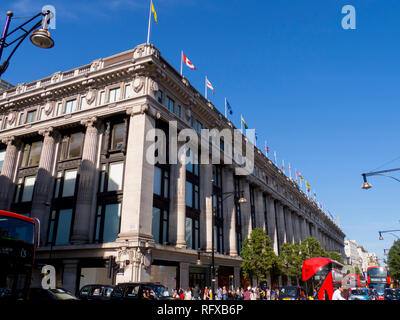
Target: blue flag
x,y
229,108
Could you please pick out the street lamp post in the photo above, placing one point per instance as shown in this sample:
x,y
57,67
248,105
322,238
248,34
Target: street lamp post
x,y
40,37
366,185
242,199
388,231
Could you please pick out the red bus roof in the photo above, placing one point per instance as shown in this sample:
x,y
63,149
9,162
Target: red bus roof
x,y
16,216
313,265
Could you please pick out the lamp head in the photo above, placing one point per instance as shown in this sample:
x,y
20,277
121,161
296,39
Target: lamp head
x,y
380,236
366,185
41,38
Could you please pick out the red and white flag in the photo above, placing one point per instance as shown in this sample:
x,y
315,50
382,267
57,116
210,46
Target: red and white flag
x,y
187,62
209,85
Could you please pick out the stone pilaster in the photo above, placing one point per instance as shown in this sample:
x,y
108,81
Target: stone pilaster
x,y
181,201
41,199
8,171
86,185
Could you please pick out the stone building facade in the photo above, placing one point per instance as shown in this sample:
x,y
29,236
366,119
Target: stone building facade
x,y
73,149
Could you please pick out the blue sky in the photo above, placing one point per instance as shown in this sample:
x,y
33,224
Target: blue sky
x,y
326,99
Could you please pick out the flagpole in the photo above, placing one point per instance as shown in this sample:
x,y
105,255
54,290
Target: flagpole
x,y
241,123
148,29
181,62
226,113
205,89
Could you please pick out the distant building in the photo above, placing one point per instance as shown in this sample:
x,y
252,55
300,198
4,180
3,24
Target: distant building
x,y
4,85
357,256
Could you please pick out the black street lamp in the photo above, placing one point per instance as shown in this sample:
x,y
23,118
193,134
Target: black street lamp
x,y
366,185
40,37
241,199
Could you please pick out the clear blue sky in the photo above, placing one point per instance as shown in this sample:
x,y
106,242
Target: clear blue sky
x,y
326,99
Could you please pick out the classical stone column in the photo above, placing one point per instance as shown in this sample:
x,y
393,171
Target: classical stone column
x,y
86,185
297,230
136,215
206,187
41,199
281,224
7,172
272,231
245,209
229,212
259,203
181,202
289,225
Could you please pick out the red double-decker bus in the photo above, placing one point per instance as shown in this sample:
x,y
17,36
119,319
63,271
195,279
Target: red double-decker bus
x,y
322,275
378,278
18,242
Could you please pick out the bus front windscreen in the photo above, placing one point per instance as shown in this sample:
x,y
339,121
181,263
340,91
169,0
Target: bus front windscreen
x,y
377,272
16,230
17,248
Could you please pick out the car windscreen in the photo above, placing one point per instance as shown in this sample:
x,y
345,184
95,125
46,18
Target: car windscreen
x,y
61,294
288,292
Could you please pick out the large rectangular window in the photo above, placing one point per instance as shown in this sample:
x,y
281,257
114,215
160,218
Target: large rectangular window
x,y
60,225
170,104
159,226
108,222
31,116
72,146
69,183
70,106
29,184
31,154
114,94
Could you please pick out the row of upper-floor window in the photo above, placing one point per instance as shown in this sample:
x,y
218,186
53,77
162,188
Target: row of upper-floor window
x,y
67,106
177,109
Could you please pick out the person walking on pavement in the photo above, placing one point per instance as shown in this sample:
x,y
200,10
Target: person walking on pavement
x,y
337,295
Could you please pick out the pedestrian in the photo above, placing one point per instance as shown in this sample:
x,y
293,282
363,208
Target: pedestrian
x,y
188,294
181,294
196,293
247,293
337,295
206,294
224,293
268,294
175,295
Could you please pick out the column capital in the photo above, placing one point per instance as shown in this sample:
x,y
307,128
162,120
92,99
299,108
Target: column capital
x,y
90,122
144,108
47,132
10,140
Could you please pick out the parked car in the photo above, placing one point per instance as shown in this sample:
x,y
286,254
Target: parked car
x,y
40,294
95,292
146,290
292,293
360,294
391,294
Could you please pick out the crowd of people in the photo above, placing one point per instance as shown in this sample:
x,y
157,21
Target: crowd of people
x,y
225,293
